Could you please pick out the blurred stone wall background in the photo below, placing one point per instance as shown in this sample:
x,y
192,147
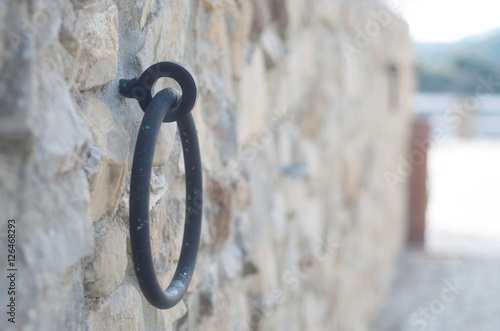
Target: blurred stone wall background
x,y
303,109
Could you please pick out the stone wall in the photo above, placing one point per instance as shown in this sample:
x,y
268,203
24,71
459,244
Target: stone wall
x,y
303,110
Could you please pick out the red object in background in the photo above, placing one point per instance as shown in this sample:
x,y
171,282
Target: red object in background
x,y
418,181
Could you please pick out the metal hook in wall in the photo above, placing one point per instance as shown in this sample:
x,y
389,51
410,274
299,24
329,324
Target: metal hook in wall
x,y
166,106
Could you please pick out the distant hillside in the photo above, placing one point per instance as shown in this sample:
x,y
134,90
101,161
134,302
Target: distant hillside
x,y
456,67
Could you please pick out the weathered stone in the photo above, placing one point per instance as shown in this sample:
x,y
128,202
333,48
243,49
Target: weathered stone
x,y
66,312
45,22
254,99
231,261
56,170
328,14
145,12
280,14
105,272
279,217
83,4
64,55
108,158
208,5
50,205
165,37
261,18
3,50
242,16
217,31
352,174
272,46
220,211
164,319
242,193
97,28
18,88
219,117
166,224
122,310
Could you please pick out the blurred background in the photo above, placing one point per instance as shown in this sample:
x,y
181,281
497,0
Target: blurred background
x,y
448,277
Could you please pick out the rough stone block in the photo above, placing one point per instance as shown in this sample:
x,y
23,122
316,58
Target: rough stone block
x,y
97,29
165,37
273,47
108,158
106,268
122,310
253,98
220,211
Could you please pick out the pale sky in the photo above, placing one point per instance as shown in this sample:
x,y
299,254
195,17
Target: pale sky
x,y
450,20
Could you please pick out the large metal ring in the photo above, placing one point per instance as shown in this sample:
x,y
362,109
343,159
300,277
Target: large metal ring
x,y
167,106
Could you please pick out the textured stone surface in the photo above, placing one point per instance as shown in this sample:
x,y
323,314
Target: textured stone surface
x,y
97,32
165,33
220,211
119,311
297,123
254,95
107,159
106,268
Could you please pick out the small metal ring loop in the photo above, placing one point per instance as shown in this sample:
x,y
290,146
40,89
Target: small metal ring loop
x,y
141,87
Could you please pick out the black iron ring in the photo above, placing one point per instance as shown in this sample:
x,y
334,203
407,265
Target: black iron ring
x,y
140,88
139,202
